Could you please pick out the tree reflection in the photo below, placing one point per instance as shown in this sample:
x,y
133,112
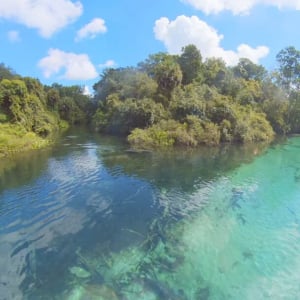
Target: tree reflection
x,y
180,168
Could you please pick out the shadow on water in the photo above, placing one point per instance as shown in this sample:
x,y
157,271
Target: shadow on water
x,y
59,202
180,168
31,164
28,166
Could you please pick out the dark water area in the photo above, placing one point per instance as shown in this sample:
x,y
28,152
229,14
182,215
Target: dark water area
x,y
90,218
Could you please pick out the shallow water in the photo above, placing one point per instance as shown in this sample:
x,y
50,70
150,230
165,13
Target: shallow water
x,y
91,219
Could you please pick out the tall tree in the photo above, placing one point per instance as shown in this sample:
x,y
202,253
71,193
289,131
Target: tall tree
x,y
165,70
248,70
289,68
190,62
126,83
168,75
6,72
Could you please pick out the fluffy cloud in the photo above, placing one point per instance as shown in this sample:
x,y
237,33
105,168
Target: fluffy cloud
x,y
108,64
68,65
48,16
191,30
13,36
239,7
92,29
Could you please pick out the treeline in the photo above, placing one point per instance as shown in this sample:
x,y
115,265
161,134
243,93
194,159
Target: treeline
x,y
165,100
31,113
184,100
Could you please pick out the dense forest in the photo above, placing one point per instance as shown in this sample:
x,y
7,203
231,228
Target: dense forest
x,y
31,114
165,100
183,100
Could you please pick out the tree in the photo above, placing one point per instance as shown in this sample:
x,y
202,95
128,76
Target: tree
x,y
168,76
289,68
6,72
188,101
13,96
165,70
52,98
25,108
277,113
35,87
246,69
149,65
126,82
250,92
215,71
190,62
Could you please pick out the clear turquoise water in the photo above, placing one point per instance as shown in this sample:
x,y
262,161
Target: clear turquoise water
x,y
90,219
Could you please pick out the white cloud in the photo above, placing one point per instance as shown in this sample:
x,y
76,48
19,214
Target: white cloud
x,y
47,16
87,91
68,65
191,30
92,29
13,36
239,7
108,64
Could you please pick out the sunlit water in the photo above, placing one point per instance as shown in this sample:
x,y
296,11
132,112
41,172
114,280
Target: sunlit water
x,y
91,219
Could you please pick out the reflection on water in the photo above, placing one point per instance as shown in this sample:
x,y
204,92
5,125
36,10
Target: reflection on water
x,y
92,219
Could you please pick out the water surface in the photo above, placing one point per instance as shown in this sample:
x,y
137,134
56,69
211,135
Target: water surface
x,y
91,219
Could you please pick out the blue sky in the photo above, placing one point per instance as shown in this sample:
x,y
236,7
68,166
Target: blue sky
x,y
71,42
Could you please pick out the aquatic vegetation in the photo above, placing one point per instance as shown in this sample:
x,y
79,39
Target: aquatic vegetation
x,y
215,252
79,272
231,232
92,292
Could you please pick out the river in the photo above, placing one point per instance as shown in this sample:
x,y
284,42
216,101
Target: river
x,y
89,218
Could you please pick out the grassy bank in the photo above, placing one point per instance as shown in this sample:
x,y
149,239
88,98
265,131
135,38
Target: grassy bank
x,y
14,138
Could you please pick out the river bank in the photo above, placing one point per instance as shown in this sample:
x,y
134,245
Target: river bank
x,y
14,139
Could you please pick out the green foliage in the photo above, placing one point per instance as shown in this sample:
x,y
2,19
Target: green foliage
x,y
253,127
151,138
185,101
289,68
222,108
30,113
250,92
120,117
34,87
170,132
248,70
158,136
53,98
13,99
24,107
69,111
226,133
189,100
126,83
3,118
167,100
277,113
190,62
215,72
70,103
6,72
150,64
14,138
168,75
166,71
203,132
292,113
